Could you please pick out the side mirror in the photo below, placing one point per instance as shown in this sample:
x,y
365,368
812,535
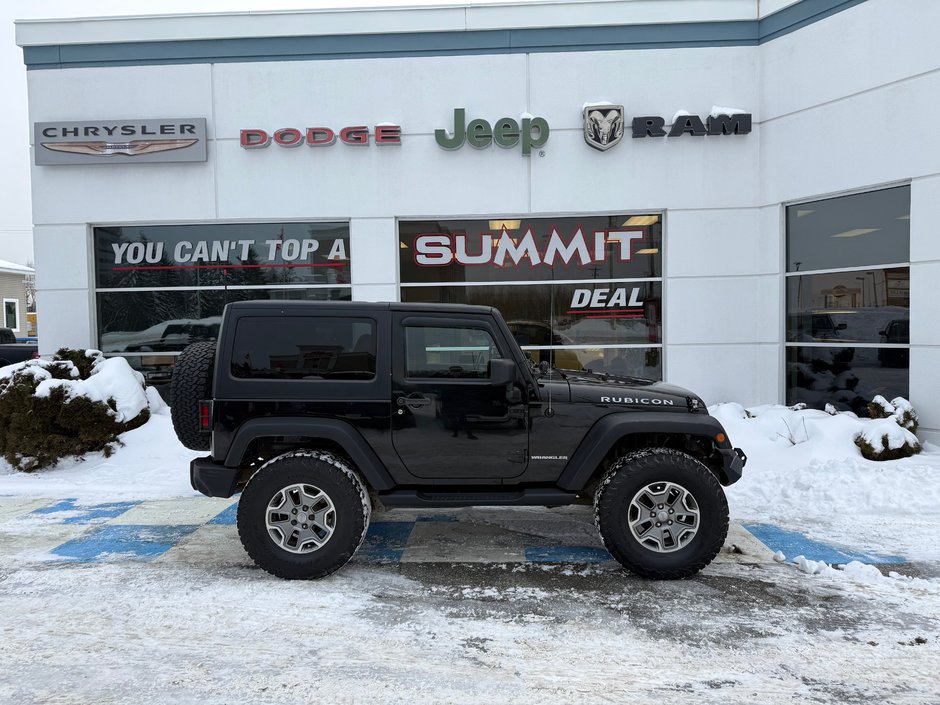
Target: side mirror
x,y
883,332
502,372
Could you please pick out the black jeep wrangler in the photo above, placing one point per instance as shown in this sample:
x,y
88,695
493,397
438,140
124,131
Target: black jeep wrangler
x,y
318,411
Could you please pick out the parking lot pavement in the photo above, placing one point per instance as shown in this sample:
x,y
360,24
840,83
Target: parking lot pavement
x,y
157,602
197,530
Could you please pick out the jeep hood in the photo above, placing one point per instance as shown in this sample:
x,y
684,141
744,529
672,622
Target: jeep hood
x,y
633,392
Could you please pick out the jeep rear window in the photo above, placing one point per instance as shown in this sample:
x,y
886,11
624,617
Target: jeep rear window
x,y
304,347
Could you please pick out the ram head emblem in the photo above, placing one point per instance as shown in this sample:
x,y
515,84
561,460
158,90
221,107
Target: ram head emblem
x,y
603,125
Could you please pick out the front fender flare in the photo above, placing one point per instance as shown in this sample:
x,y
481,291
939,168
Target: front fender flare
x,y
611,428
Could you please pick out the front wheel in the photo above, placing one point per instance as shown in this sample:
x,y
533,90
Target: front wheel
x,y
303,515
661,513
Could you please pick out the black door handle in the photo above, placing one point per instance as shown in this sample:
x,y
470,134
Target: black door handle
x,y
414,401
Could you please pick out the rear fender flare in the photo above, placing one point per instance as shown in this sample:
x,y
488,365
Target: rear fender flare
x,y
339,432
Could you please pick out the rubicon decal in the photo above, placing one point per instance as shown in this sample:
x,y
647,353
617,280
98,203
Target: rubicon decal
x,y
355,135
127,141
638,400
505,250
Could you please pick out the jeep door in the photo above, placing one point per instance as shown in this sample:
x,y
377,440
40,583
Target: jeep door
x,y
450,421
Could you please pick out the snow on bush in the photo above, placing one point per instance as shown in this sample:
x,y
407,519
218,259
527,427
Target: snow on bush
x,y
76,403
883,439
899,409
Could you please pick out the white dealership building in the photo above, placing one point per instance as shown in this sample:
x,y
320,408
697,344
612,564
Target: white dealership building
x,y
737,196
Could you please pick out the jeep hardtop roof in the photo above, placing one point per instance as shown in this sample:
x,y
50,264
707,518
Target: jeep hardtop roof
x,y
298,306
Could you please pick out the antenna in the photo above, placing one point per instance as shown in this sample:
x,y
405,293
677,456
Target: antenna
x,y
551,340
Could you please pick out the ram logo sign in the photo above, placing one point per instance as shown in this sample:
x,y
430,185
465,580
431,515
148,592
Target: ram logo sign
x,y
603,125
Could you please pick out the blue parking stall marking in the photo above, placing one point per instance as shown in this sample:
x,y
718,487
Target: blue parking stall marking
x,y
121,542
74,513
793,543
385,542
227,517
566,554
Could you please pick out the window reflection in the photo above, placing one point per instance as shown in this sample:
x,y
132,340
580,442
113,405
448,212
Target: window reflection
x,y
846,377
858,301
580,318
168,321
853,306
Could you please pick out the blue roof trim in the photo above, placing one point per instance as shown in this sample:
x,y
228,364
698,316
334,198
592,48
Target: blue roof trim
x,y
508,41
805,12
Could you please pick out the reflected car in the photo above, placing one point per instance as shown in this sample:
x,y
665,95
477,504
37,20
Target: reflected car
x,y
812,326
896,332
177,336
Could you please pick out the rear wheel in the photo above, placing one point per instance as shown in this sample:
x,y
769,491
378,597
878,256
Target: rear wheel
x,y
303,515
191,382
661,513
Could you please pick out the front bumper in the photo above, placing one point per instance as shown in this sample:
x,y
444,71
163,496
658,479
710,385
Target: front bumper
x,y
211,478
733,461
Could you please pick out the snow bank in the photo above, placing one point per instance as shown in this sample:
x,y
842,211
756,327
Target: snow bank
x,y
152,464
805,473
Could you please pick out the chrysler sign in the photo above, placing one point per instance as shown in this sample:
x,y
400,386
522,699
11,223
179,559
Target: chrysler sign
x,y
120,141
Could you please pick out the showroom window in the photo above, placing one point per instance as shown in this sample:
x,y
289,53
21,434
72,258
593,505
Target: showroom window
x,y
581,292
161,287
848,299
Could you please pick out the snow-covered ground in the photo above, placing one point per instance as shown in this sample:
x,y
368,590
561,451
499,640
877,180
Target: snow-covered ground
x,y
804,472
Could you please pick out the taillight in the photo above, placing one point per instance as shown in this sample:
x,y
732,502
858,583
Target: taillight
x,y
205,416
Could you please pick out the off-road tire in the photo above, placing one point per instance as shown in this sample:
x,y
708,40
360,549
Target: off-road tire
x,y
329,475
190,383
622,484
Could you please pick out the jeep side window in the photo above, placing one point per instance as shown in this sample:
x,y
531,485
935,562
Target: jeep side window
x,y
304,347
461,353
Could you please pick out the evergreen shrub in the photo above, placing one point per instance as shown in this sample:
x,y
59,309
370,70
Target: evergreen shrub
x,y
42,423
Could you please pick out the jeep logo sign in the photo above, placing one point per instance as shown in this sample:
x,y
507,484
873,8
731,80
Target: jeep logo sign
x,y
505,132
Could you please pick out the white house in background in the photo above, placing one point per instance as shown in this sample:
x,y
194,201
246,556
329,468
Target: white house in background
x,y
14,292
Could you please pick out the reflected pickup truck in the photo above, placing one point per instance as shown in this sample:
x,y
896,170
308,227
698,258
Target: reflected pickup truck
x,y
320,412
12,351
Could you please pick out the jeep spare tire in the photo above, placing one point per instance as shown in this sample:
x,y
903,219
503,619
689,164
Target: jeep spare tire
x,y
191,383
